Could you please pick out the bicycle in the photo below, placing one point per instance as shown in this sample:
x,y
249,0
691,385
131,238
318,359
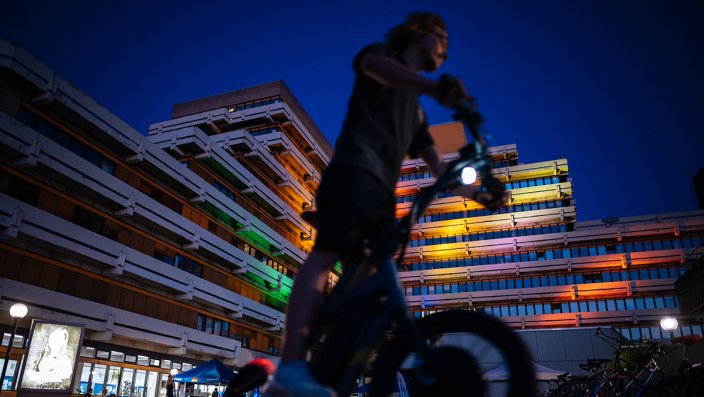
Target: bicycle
x,y
554,385
364,326
578,387
612,377
688,379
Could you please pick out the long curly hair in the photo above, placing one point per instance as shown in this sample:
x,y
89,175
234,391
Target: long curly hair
x,y
401,36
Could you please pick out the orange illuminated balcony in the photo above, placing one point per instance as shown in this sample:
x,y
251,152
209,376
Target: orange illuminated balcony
x,y
495,221
516,172
587,319
610,261
613,289
511,244
563,190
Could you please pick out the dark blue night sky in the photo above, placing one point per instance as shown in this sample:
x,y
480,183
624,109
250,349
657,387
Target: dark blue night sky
x,y
614,86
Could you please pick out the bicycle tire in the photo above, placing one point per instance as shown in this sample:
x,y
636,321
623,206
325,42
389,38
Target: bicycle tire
x,y
494,331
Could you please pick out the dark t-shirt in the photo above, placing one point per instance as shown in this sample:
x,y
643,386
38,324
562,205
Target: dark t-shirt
x,y
381,127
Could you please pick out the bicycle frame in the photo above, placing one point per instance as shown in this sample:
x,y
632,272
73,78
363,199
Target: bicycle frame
x,y
637,383
381,294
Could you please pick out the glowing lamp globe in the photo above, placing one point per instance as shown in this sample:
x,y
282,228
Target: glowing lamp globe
x,y
669,323
468,176
18,310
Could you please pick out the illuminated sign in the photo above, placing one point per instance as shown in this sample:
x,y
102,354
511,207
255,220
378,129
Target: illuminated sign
x,y
52,355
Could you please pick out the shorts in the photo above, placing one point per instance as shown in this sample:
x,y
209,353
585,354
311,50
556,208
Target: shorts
x,y
352,205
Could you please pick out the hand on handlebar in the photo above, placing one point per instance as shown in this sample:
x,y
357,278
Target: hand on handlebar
x,y
451,92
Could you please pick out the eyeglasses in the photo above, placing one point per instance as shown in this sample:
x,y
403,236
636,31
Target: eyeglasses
x,y
438,34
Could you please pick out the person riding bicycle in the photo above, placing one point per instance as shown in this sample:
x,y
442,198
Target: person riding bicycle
x,y
384,123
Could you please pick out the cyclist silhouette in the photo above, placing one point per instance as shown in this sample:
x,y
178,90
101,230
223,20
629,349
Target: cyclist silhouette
x,y
384,123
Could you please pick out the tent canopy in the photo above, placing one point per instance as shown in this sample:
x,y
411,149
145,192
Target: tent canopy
x,y
211,373
501,373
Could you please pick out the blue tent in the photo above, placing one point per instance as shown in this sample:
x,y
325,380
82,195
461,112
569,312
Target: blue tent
x,y
211,373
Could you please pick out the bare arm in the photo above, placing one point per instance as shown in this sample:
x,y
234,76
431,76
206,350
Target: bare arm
x,y
390,72
430,155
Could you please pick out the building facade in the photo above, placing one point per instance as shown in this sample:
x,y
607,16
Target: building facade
x,y
181,245
538,269
170,248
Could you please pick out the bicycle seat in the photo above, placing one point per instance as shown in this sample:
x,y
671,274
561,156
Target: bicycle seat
x,y
311,217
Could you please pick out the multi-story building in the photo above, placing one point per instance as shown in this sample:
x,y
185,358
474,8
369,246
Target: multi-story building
x,y
534,266
181,245
171,248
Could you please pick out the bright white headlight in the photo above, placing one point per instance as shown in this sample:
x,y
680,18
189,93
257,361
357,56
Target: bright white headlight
x,y
468,176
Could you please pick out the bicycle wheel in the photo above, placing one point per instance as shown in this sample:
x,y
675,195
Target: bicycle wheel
x,y
454,368
522,380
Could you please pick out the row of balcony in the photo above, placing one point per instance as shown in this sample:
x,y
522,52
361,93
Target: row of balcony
x,y
19,220
670,224
104,322
564,292
223,120
502,152
562,190
138,150
195,142
515,172
626,260
33,149
495,221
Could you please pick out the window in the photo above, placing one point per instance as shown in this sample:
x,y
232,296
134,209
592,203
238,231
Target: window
x,y
88,220
669,301
19,189
163,257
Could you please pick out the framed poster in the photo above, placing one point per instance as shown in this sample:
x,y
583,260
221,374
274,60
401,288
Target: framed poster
x,y
52,356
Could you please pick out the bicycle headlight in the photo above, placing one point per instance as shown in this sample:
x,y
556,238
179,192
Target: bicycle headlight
x,y
468,176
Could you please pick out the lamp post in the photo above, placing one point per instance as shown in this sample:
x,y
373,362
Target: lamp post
x,y
669,324
17,311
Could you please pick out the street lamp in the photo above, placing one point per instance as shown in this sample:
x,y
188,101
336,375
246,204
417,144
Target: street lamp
x,y
174,371
17,311
669,324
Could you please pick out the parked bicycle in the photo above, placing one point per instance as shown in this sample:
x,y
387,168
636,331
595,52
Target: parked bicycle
x,y
687,381
364,326
619,376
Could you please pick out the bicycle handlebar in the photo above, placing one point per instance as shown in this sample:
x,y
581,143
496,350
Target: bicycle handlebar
x,y
471,155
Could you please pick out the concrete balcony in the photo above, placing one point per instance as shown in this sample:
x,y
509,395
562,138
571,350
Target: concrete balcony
x,y
223,120
602,262
563,190
556,293
495,221
103,323
22,222
673,226
283,148
516,172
